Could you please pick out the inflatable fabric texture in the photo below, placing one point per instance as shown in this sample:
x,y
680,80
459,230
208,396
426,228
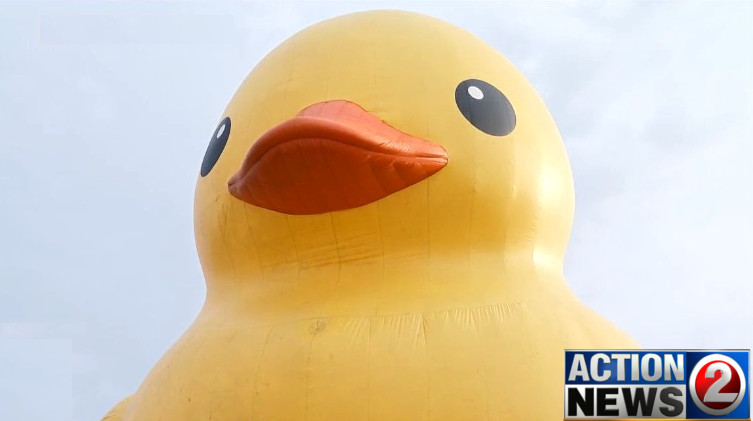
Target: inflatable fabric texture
x,y
381,217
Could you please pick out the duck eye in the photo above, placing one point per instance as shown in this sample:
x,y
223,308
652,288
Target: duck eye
x,y
485,107
216,145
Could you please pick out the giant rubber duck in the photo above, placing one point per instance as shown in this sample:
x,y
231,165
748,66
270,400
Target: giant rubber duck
x,y
381,217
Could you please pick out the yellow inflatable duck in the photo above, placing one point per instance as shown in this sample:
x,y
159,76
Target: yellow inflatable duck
x,y
381,217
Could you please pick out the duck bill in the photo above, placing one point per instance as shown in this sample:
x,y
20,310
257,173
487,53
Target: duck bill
x,y
332,156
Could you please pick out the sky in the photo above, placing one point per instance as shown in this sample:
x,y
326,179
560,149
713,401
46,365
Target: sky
x,y
106,110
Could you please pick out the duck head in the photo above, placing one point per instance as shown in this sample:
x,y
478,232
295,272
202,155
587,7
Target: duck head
x,y
383,140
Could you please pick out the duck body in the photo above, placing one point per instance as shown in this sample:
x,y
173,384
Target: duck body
x,y
375,245
496,361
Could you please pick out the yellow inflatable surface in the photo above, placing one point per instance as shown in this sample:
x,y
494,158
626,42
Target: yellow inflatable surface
x,y
381,217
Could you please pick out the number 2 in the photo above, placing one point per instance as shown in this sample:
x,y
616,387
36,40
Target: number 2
x,y
713,395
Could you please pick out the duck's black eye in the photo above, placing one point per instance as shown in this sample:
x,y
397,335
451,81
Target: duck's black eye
x,y
216,145
485,107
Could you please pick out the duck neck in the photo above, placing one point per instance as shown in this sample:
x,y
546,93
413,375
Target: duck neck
x,y
368,285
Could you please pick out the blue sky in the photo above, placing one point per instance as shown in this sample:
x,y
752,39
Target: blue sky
x,y
107,108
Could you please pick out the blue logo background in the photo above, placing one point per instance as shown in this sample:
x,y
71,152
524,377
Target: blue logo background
x,y
742,411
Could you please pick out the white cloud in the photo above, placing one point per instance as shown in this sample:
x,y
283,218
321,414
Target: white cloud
x,y
35,370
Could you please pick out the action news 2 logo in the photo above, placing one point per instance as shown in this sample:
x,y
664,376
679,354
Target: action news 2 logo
x,y
630,384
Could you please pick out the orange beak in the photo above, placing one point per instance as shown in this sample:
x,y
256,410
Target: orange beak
x,y
333,155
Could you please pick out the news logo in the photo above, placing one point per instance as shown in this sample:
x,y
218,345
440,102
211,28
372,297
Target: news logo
x,y
630,384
